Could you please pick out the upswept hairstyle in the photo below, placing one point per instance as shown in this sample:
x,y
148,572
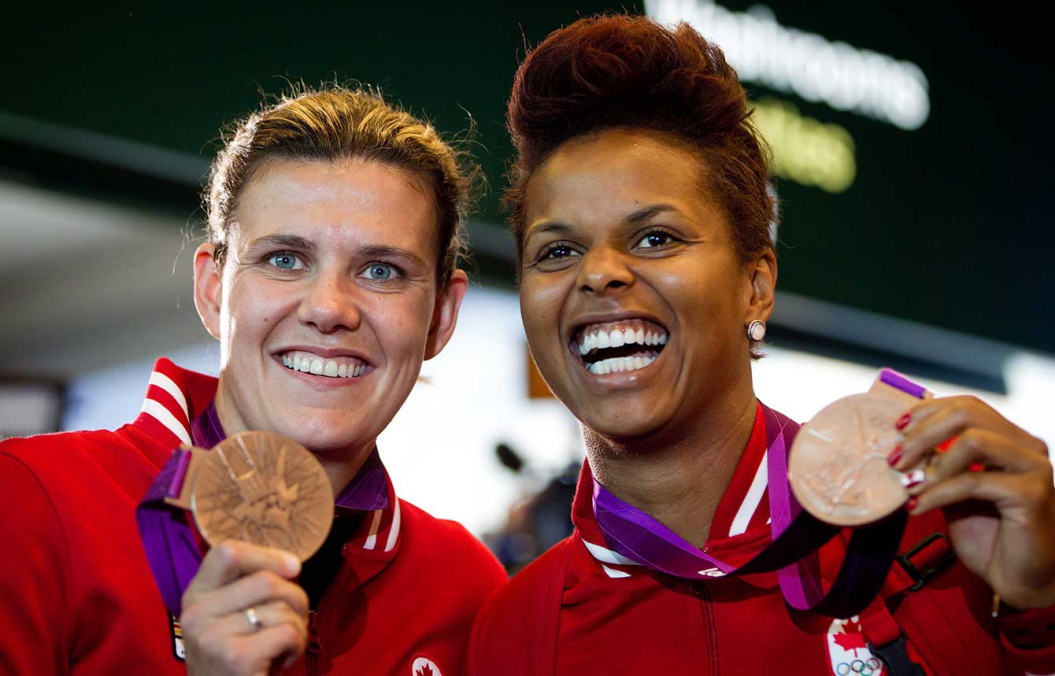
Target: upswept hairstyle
x,y
336,123
628,71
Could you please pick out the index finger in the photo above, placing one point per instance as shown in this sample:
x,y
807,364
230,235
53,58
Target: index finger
x,y
948,416
232,559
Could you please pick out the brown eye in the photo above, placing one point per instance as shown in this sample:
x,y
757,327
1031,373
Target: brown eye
x,y
654,239
557,252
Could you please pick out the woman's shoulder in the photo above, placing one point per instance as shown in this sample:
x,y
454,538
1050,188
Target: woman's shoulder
x,y
514,632
63,459
446,542
43,449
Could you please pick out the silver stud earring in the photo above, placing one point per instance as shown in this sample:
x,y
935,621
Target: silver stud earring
x,y
756,330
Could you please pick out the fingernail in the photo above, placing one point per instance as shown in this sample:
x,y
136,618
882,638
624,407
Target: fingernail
x,y
291,564
895,455
903,421
913,478
911,504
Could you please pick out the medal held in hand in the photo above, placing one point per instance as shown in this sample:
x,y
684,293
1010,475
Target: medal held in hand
x,y
260,488
838,467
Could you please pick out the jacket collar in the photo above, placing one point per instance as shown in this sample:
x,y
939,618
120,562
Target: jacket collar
x,y
175,397
740,524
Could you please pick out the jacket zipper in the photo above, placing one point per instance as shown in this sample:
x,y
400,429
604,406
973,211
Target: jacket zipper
x,y
703,592
314,647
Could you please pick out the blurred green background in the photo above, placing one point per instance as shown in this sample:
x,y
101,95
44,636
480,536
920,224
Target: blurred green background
x,y
947,225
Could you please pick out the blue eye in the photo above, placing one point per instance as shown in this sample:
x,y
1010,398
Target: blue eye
x,y
285,261
379,272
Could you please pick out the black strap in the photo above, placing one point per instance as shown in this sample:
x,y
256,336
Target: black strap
x,y
895,657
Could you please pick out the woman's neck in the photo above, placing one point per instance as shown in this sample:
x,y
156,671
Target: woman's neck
x,y
340,465
679,480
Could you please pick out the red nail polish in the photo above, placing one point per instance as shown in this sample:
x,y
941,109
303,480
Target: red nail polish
x,y
903,421
911,504
895,456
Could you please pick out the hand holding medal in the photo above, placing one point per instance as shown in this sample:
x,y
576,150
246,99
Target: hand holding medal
x,y
994,482
264,505
865,456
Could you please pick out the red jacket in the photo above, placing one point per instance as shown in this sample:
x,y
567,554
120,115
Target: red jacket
x,y
77,595
580,609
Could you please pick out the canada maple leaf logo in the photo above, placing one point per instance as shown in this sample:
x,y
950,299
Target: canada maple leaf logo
x,y
851,638
423,666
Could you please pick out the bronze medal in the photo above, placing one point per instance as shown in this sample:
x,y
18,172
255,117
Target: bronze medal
x,y
838,467
261,488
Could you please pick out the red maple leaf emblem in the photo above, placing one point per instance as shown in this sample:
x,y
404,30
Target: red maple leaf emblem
x,y
850,638
425,670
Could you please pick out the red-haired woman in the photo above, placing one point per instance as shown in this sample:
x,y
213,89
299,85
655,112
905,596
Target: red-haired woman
x,y
329,274
641,218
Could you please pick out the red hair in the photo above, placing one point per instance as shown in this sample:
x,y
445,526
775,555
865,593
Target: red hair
x,y
628,71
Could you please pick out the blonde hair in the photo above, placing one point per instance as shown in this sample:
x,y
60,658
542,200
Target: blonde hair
x,y
335,123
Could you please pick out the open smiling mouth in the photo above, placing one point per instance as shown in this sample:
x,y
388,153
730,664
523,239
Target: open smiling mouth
x,y
337,367
619,347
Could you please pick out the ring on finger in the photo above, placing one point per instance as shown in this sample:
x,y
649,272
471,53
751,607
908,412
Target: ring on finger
x,y
250,616
913,477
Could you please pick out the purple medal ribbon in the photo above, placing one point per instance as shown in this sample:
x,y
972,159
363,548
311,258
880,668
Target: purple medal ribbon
x,y
168,539
796,536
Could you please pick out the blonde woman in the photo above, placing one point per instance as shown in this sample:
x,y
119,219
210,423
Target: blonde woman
x,y
329,275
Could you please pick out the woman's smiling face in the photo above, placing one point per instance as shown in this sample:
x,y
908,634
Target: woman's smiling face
x,y
633,296
328,301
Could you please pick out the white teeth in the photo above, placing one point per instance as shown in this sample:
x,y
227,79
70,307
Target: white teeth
x,y
588,343
595,338
330,368
620,364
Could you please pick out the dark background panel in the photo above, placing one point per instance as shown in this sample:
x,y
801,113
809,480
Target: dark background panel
x,y
946,225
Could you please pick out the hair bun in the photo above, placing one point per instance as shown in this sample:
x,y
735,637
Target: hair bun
x,y
629,71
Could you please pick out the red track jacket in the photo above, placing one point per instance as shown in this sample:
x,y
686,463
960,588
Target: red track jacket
x,y
580,609
77,595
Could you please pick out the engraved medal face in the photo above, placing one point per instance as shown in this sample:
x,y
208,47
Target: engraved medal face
x,y
263,488
838,466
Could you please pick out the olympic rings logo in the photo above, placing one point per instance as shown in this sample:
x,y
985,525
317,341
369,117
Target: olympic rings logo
x,y
862,667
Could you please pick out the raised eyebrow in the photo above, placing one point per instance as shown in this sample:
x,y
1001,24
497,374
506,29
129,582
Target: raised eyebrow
x,y
386,251
648,212
289,241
